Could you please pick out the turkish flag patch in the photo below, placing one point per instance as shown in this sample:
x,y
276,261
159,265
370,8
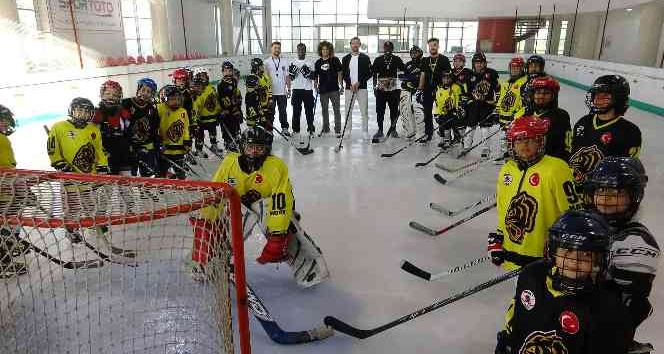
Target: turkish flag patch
x,y
534,179
569,322
606,138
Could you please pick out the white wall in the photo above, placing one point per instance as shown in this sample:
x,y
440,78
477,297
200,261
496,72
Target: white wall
x,y
200,26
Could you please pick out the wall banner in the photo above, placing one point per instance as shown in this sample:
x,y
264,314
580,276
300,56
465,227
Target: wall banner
x,y
91,15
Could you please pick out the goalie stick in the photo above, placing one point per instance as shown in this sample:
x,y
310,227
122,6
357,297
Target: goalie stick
x,y
419,227
421,273
344,327
450,213
403,148
303,151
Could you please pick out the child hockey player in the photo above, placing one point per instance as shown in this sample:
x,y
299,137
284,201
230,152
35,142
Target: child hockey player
x,y
9,247
409,113
230,102
604,132
615,189
483,86
534,68
562,305
532,191
461,73
253,107
206,110
143,129
259,176
447,110
173,132
544,104
263,89
113,121
509,99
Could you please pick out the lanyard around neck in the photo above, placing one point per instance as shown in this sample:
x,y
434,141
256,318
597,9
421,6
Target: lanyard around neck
x,y
276,65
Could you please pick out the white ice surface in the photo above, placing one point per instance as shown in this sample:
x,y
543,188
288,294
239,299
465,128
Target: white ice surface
x,y
357,206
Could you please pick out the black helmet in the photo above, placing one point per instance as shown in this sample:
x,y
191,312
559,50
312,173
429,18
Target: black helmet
x,y
227,65
8,117
256,135
256,63
617,86
536,59
625,173
578,231
479,57
169,91
417,51
84,103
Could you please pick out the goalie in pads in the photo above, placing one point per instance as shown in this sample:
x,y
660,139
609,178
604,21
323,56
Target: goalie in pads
x,y
263,184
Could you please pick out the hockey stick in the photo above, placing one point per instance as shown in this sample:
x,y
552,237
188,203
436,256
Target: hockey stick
x,y
466,151
450,213
185,168
302,151
462,167
308,147
197,162
214,151
442,151
272,328
419,227
421,273
86,264
343,132
344,327
403,148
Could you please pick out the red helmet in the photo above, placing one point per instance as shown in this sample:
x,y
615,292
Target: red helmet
x,y
180,73
527,127
459,56
110,84
517,61
547,83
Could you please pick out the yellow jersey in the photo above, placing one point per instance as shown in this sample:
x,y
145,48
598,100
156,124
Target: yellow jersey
x,y
447,99
509,100
529,201
271,181
206,106
80,148
7,159
173,130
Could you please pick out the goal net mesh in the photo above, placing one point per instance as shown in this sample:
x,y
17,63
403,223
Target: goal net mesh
x,y
109,265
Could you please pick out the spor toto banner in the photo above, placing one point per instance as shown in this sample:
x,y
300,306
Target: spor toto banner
x,y
91,15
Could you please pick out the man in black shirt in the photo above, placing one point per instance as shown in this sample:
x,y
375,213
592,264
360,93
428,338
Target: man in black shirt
x,y
328,82
432,69
385,69
604,132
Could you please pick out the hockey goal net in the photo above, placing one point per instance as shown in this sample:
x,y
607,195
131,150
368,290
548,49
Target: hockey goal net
x,y
109,267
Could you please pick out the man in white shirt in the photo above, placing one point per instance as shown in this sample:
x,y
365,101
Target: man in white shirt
x,y
357,71
301,73
277,68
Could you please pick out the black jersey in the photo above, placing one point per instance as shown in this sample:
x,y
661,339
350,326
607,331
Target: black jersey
x,y
462,77
433,69
188,104
594,139
410,79
559,135
144,123
483,86
230,97
543,320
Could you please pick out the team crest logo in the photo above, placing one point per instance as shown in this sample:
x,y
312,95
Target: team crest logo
x,y
520,217
140,130
534,179
508,101
211,102
569,322
93,136
175,131
528,299
84,158
606,138
259,178
539,342
585,160
507,179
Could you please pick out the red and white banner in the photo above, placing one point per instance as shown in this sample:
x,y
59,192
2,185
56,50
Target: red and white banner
x,y
90,15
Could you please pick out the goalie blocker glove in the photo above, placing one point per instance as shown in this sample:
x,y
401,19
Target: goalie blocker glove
x,y
293,70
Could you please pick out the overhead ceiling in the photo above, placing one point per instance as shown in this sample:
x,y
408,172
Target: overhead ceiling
x,y
473,9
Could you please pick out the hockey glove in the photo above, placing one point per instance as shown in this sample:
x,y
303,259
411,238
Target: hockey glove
x,y
419,96
250,198
275,250
495,248
306,72
292,71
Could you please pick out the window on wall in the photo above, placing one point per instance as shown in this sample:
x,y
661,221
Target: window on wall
x,y
137,23
542,39
26,13
563,37
454,36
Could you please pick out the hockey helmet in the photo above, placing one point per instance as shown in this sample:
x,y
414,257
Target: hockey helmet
x,y
202,74
180,77
615,85
479,57
527,127
142,94
615,188
110,93
516,63
227,65
459,56
251,81
256,65
577,249
7,122
543,83
171,91
80,111
256,144
446,77
535,59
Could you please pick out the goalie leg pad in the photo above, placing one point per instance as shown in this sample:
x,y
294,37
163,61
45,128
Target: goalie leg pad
x,y
306,259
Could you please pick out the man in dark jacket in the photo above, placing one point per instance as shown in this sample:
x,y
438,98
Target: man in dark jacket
x,y
356,72
385,69
432,69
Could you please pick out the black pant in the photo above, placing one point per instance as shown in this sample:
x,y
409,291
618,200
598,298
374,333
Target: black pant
x,y
210,125
280,101
427,105
446,121
306,97
477,112
392,99
230,130
144,162
175,161
118,150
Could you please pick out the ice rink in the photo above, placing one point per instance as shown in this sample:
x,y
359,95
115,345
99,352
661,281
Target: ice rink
x,y
357,206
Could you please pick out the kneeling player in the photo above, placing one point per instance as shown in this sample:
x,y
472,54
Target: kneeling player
x,y
448,96
259,176
562,305
615,189
532,191
173,132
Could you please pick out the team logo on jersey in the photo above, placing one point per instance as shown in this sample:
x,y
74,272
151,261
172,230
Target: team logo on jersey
x,y
175,131
528,299
140,130
93,136
259,178
508,102
507,179
606,138
520,217
569,322
539,342
534,179
84,158
584,160
211,102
